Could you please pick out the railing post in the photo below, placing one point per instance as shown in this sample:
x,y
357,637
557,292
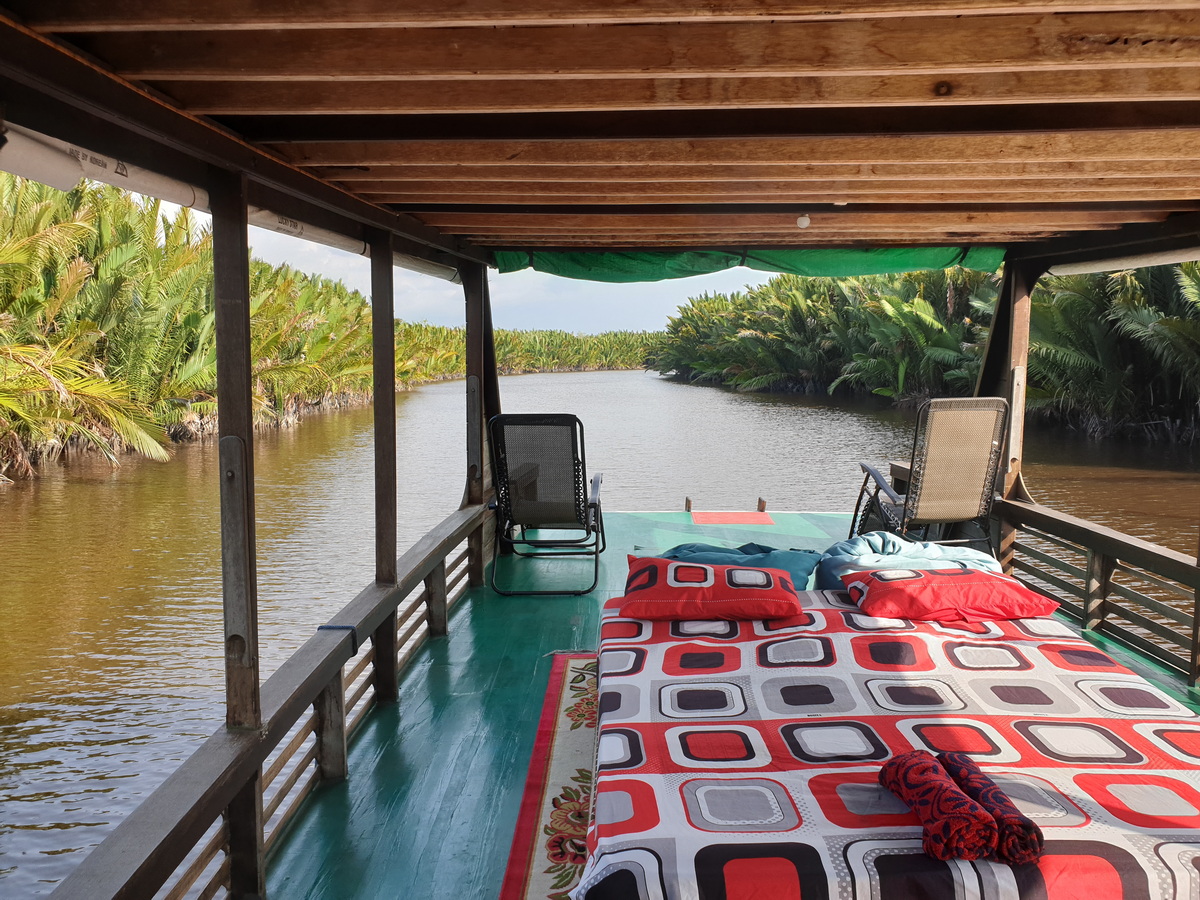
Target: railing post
x,y
239,576
244,821
385,671
435,587
383,325
330,730
1095,596
1194,656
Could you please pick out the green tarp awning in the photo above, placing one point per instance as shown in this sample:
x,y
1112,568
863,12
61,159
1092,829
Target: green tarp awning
x,y
658,265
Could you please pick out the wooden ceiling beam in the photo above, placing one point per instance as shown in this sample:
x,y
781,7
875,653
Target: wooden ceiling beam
x,y
450,196
956,220
974,189
1101,144
352,176
1084,41
573,95
866,239
695,124
231,15
725,234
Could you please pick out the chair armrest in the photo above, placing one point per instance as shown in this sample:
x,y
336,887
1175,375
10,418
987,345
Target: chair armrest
x,y
881,483
594,496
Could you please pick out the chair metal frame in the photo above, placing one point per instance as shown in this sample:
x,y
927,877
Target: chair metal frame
x,y
935,495
519,522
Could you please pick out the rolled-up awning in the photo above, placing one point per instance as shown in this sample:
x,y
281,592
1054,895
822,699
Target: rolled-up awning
x,y
658,265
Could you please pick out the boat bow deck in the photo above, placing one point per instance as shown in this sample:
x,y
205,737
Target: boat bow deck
x,y
436,779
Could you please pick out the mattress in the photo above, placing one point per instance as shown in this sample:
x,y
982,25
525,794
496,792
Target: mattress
x,y
739,760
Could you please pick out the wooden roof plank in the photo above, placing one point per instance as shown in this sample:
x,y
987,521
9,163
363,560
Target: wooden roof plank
x,y
616,220
352,176
864,47
1100,144
1182,187
768,92
449,196
229,15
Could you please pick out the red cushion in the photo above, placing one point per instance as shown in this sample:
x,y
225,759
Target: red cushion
x,y
673,589
944,595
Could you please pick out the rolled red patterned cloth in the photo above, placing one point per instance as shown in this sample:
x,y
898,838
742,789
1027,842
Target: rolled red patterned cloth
x,y
954,825
1019,839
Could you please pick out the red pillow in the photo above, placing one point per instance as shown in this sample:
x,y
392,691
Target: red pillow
x,y
673,589
945,595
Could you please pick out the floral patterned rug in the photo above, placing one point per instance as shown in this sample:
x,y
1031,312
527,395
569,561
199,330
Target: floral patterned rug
x,y
549,847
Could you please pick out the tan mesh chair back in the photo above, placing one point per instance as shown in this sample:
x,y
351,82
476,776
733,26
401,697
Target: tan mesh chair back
x,y
955,460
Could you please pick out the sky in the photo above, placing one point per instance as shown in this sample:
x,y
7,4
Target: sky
x,y
520,300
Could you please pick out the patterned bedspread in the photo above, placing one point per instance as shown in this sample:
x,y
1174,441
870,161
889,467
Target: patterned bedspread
x,y
738,760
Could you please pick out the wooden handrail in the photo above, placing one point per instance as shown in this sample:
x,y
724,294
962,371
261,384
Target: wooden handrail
x,y
1169,563
137,858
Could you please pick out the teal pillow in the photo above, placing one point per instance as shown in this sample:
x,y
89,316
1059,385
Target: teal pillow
x,y
800,564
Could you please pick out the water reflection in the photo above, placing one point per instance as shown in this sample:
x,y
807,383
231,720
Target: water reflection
x,y
110,654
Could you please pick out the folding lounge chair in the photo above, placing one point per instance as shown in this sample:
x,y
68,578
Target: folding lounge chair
x,y
955,460
543,505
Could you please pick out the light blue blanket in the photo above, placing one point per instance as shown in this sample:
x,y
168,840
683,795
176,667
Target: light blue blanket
x,y
884,550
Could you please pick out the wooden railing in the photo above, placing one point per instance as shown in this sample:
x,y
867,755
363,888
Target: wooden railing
x,y
174,845
1129,590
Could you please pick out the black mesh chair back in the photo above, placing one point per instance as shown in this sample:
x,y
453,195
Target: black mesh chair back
x,y
539,470
543,504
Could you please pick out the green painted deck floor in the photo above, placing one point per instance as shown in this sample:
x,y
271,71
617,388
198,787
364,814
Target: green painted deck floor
x,y
436,779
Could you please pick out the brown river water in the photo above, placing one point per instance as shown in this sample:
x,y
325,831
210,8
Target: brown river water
x,y
110,607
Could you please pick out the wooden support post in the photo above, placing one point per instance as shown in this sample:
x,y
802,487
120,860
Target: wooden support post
x,y
383,325
239,576
1002,374
481,373
329,710
1095,596
239,580
435,585
383,639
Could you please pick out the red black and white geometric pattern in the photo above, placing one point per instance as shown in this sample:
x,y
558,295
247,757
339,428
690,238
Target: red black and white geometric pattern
x,y
741,759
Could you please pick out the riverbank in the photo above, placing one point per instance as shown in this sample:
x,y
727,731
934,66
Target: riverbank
x,y
1110,354
107,332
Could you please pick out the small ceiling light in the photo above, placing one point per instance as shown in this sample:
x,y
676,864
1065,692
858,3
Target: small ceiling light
x,y
803,222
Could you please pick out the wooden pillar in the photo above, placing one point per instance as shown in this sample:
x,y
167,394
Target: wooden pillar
x,y
483,401
1003,374
474,279
383,329
491,378
239,576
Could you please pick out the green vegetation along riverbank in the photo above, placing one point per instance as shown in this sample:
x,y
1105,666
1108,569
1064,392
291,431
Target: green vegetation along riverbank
x,y
1109,354
107,334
